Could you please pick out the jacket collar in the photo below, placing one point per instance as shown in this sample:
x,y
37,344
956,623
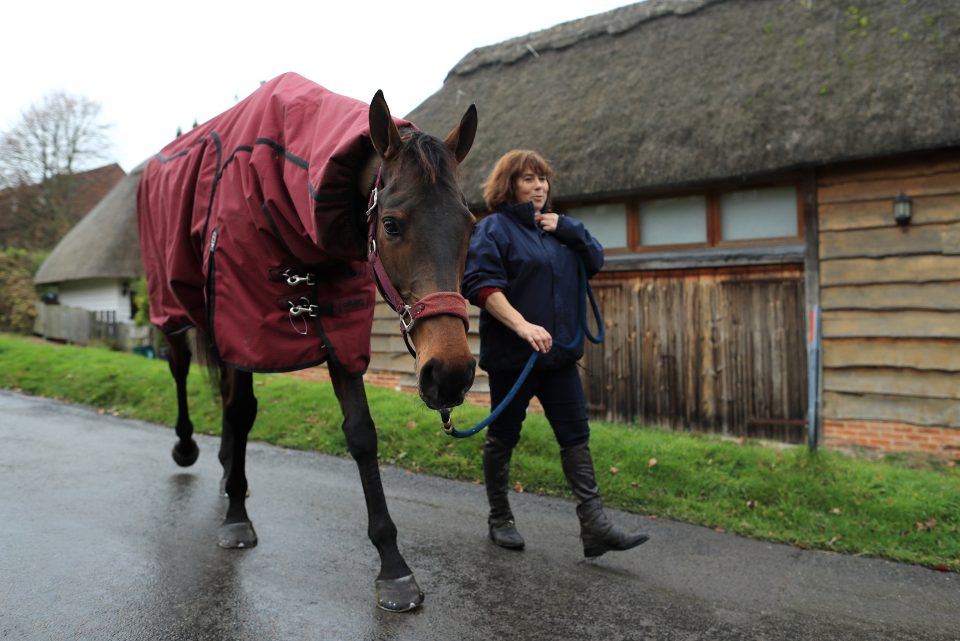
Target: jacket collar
x,y
521,213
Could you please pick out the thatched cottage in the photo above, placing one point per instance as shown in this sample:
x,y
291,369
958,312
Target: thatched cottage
x,y
95,264
777,185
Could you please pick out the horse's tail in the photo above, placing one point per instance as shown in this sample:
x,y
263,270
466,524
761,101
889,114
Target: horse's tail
x,y
206,354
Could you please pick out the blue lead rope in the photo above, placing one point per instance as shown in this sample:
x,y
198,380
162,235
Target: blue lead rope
x,y
586,292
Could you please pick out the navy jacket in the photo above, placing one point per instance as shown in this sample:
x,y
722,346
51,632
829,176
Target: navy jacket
x,y
539,274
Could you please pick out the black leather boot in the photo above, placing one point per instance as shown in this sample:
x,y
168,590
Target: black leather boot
x,y
496,474
598,534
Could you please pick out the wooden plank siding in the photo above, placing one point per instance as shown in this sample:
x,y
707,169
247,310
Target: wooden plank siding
x,y
718,351
891,293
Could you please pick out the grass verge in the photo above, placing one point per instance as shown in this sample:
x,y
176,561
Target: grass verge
x,y
907,509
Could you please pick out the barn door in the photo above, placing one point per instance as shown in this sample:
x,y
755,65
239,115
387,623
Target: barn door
x,y
712,352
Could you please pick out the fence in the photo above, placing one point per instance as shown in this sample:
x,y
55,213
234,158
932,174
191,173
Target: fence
x,y
83,326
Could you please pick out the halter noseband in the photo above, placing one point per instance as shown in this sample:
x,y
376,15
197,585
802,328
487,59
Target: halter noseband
x,y
435,304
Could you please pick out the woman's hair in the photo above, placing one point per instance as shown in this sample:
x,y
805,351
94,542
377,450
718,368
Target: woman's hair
x,y
498,187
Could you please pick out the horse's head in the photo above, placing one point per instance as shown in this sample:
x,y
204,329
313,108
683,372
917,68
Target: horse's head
x,y
422,233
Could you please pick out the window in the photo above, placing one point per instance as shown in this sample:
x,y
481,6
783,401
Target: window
x,y
759,215
673,221
607,223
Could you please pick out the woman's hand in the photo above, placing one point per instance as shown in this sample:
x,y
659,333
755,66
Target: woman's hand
x,y
538,338
547,222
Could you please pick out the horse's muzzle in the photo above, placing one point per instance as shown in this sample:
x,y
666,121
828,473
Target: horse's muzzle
x,y
444,384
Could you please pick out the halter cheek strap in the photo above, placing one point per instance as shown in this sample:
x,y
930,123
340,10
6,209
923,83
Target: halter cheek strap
x,y
435,304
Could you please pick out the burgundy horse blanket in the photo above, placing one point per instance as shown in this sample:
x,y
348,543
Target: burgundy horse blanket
x,y
252,230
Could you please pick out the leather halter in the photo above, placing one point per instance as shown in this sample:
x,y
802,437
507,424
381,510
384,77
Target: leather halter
x,y
435,304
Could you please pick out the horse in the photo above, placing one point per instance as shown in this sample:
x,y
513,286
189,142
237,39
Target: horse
x,y
257,232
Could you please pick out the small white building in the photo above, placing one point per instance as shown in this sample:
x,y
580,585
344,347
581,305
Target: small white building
x,y
94,267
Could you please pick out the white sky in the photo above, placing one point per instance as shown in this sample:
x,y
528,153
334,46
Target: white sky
x,y
159,65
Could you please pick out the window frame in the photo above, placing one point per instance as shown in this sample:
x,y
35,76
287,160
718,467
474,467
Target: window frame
x,y
713,196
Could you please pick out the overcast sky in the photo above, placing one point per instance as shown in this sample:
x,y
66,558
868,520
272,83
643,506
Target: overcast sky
x,y
156,66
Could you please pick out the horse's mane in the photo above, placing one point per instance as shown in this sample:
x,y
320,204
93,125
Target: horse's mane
x,y
432,156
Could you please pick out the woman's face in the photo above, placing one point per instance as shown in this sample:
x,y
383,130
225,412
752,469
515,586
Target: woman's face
x,y
532,187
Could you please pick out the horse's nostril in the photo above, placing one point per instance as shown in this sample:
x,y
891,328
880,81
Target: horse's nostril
x,y
446,385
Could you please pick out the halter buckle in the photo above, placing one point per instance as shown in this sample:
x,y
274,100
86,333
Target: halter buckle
x,y
406,318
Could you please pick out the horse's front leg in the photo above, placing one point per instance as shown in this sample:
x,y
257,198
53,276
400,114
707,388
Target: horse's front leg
x,y
396,588
239,413
185,452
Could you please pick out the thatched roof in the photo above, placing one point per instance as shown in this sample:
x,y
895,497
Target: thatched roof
x,y
672,92
104,244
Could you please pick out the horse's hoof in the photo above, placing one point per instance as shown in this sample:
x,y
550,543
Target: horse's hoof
x,y
398,595
236,536
186,455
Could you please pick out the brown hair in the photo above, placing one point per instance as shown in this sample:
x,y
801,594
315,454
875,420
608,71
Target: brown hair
x,y
498,188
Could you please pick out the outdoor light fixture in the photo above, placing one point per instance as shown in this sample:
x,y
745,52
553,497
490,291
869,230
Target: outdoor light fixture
x,y
902,209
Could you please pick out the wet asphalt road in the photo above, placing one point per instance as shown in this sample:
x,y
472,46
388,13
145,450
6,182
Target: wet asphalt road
x,y
103,537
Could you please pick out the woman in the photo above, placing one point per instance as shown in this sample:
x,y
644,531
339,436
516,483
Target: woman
x,y
523,273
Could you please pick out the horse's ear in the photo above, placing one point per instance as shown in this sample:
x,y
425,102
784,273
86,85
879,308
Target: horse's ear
x,y
383,131
461,138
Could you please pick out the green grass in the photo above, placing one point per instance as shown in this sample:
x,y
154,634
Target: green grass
x,y
905,508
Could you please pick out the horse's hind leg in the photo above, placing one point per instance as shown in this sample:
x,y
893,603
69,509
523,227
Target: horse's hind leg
x,y
185,452
239,413
396,588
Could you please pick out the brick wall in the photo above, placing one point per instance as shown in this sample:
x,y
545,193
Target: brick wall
x,y
886,436
391,380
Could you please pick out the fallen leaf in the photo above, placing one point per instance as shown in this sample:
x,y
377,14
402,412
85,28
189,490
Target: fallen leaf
x,y
651,462
614,470
411,425
518,487
835,510
923,527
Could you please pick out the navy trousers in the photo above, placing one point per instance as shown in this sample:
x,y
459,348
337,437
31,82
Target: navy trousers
x,y
560,393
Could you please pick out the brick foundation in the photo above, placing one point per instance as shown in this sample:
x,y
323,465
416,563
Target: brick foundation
x,y
892,437
391,380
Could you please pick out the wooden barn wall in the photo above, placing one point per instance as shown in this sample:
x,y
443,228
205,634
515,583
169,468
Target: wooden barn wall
x,y
891,294
718,351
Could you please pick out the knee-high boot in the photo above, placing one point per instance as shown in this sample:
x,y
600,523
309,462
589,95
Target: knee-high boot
x,y
599,535
496,473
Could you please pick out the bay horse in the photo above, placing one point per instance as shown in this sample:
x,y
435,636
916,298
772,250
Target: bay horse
x,y
256,230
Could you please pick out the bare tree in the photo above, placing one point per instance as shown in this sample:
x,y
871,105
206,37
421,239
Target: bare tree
x,y
54,139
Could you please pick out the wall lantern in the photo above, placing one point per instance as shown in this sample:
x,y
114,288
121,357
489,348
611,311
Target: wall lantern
x,y
902,209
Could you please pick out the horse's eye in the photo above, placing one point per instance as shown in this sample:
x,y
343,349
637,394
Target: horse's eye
x,y
391,226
